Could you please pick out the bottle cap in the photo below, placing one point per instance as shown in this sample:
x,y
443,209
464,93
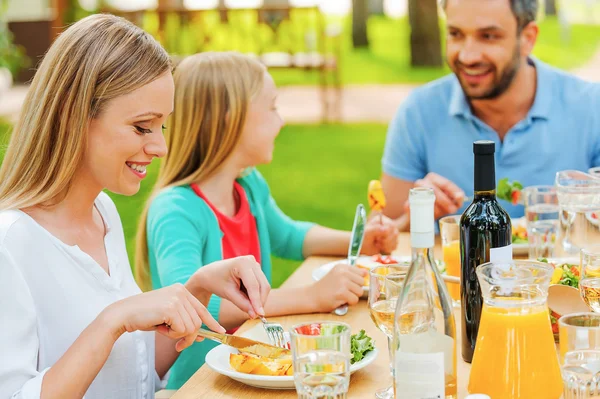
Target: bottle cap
x,y
484,147
478,396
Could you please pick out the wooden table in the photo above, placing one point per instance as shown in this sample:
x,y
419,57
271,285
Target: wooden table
x,y
206,383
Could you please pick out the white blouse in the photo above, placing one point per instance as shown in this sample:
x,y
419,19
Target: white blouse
x,y
49,293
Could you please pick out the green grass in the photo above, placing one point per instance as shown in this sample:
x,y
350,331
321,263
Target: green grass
x,y
325,192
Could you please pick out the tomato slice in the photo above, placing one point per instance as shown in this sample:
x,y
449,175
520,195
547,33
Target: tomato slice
x,y
309,329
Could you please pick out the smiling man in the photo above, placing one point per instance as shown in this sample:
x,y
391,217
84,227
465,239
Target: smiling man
x,y
542,119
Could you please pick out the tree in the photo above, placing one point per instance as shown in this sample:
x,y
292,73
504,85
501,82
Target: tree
x,y
360,14
425,46
550,7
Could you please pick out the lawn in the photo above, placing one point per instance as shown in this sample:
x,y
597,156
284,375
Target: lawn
x,y
325,192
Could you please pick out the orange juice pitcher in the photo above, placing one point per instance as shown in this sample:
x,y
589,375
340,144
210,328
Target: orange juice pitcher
x,y
515,355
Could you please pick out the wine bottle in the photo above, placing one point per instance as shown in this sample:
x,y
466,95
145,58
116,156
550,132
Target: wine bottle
x,y
424,346
485,236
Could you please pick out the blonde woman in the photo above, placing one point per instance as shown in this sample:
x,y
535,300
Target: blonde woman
x,y
74,322
203,210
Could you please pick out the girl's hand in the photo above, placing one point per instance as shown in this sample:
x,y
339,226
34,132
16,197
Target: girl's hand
x,y
381,236
172,311
239,280
343,284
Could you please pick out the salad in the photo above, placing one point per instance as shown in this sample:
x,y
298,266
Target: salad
x,y
519,233
360,343
564,274
509,191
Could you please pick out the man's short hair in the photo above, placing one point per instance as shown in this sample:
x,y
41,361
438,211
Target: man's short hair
x,y
524,10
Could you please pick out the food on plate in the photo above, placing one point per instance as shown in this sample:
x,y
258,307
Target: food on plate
x,y
369,263
253,364
247,363
376,196
564,274
509,191
519,234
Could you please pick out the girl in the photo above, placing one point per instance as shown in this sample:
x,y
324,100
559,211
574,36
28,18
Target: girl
x,y
74,321
204,209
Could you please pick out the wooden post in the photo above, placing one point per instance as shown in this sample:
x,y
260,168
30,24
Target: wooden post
x,y
59,21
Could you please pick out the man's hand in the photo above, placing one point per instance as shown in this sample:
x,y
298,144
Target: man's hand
x,y
448,196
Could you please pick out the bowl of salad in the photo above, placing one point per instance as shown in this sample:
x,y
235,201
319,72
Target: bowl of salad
x,y
566,272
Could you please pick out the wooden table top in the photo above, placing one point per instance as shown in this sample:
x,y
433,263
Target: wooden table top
x,y
206,383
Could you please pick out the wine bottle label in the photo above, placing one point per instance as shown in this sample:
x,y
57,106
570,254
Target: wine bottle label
x,y
420,375
501,254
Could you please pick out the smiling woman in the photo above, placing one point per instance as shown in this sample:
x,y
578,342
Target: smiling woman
x,y
92,120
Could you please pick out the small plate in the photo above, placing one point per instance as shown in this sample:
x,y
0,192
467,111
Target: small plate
x,y
218,360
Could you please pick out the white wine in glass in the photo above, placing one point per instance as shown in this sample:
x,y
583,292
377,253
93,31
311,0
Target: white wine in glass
x,y
590,292
385,285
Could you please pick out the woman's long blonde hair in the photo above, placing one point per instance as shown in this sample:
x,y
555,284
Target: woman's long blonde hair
x,y
97,59
212,95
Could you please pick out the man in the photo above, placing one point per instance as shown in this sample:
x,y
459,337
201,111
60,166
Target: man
x,y
542,120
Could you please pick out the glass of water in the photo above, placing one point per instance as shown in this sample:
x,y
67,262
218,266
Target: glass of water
x,y
321,359
541,215
581,374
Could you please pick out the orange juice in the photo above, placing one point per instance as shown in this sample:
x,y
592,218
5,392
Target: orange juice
x,y
515,356
452,261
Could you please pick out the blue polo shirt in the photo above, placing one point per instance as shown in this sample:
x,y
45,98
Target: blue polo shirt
x,y
434,131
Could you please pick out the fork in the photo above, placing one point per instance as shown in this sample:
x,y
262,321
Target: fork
x,y
275,333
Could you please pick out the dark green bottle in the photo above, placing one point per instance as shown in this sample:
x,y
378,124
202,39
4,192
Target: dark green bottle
x,y
485,236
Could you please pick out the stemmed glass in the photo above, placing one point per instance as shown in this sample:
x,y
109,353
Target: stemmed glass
x,y
589,268
385,285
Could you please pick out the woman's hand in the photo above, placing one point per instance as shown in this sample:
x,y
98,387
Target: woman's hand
x,y
172,311
343,284
381,235
239,280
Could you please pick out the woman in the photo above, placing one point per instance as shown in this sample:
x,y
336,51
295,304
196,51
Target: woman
x,y
75,323
204,209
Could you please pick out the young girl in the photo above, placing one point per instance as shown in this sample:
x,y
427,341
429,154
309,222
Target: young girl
x,y
74,321
211,204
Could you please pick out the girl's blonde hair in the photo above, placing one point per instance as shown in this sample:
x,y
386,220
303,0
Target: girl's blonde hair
x,y
95,60
212,95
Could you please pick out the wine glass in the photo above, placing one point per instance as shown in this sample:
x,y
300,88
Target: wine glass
x,y
385,285
589,268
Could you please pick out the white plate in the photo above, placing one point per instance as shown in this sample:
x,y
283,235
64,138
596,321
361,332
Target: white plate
x,y
218,360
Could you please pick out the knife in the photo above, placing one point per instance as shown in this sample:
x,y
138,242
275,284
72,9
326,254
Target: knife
x,y
356,241
246,344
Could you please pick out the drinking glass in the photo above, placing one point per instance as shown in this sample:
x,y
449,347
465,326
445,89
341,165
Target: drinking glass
x,y
589,265
450,234
578,331
385,286
541,216
321,360
581,374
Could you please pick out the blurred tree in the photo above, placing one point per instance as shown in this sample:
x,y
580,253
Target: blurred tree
x,y
550,7
360,14
425,46
376,7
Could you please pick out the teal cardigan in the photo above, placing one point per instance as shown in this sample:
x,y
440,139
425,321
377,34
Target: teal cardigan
x,y
184,234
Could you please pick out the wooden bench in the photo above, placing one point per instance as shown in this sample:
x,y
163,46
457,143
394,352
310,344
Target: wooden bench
x,y
281,37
